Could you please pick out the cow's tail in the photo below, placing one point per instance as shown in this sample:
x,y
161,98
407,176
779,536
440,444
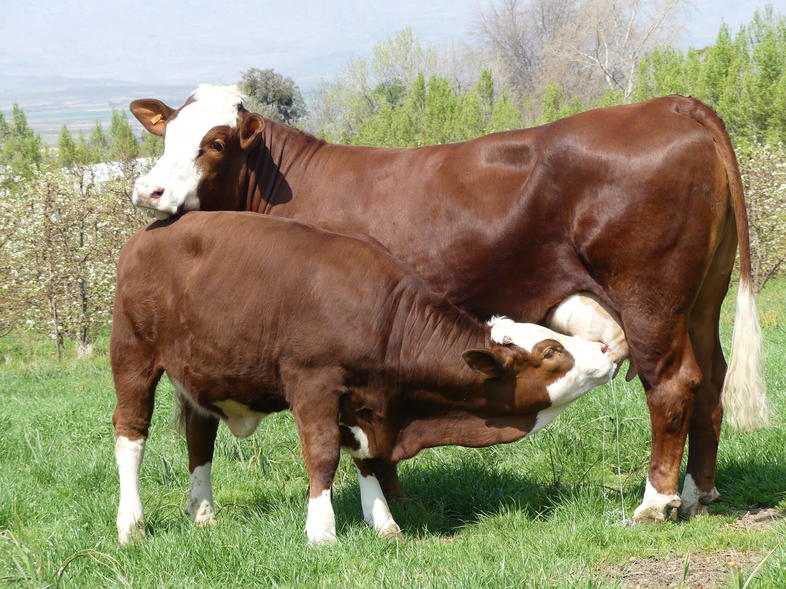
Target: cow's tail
x,y
744,393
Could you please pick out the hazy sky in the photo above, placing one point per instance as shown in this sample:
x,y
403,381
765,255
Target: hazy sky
x,y
214,40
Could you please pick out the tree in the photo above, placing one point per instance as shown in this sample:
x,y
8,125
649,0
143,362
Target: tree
x,y
273,95
21,150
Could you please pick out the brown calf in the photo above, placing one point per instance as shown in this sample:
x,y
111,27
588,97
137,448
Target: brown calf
x,y
250,314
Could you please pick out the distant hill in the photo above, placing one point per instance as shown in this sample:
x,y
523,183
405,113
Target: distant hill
x,y
49,103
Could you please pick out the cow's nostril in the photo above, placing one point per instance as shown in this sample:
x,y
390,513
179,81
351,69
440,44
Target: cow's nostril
x,y
157,193
603,348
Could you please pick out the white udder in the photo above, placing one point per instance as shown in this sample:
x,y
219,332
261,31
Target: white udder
x,y
583,315
241,420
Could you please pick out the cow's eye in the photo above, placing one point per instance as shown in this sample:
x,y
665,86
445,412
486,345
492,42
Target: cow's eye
x,y
549,354
217,145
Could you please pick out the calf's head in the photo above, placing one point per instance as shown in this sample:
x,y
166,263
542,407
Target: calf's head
x,y
202,143
550,369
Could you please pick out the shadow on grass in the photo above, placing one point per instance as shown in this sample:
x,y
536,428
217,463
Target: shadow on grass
x,y
751,484
440,500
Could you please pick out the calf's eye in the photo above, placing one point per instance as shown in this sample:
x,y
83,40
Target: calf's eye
x,y
217,145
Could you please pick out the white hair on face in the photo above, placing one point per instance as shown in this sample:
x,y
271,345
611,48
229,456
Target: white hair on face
x,y
227,95
176,173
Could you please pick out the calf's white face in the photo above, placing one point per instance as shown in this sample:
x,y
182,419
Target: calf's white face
x,y
592,365
171,185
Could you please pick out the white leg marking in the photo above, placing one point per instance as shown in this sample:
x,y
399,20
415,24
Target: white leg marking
x,y
130,521
654,505
200,502
375,509
694,500
321,521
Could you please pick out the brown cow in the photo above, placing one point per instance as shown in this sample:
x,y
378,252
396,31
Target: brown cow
x,y
619,218
249,315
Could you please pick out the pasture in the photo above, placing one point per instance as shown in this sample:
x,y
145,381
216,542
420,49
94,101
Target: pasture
x,y
549,511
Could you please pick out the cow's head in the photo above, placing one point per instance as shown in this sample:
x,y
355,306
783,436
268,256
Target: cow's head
x,y
200,139
542,361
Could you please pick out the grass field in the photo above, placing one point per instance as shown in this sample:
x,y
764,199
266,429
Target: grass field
x,y
546,511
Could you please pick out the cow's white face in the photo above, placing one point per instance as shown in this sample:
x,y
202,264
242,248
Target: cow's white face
x,y
171,185
592,366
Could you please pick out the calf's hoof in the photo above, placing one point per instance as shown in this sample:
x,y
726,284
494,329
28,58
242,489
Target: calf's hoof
x,y
130,533
202,514
390,530
694,500
321,539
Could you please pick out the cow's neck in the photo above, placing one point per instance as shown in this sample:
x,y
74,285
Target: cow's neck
x,y
427,343
271,166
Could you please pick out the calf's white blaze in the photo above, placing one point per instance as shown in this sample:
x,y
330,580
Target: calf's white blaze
x,y
128,455
320,521
375,508
176,172
200,501
591,367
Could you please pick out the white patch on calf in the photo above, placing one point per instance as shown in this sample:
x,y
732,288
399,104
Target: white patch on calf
x,y
200,501
176,172
321,521
654,505
375,508
362,452
130,521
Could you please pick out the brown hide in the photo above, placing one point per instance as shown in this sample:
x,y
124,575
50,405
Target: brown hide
x,y
639,204
272,314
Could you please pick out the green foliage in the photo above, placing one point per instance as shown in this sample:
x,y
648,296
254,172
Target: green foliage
x,y
432,111
742,76
21,150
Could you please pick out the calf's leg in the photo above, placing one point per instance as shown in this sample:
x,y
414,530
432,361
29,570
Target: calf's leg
x,y
315,407
135,383
201,431
372,472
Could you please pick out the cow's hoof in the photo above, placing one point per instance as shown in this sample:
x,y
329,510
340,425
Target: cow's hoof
x,y
131,533
206,522
653,511
694,500
390,530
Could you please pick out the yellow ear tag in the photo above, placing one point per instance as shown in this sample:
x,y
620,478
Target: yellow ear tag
x,y
155,120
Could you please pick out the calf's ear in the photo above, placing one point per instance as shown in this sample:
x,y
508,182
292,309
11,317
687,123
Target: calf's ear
x,y
485,361
152,113
251,125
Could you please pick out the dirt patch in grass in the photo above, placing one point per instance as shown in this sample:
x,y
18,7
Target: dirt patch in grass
x,y
704,571
758,519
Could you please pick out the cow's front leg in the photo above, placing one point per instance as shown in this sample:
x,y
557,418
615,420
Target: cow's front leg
x,y
376,512
201,431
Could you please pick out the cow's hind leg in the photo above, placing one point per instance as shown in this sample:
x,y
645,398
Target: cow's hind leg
x,y
671,376
698,489
135,379
201,431
376,477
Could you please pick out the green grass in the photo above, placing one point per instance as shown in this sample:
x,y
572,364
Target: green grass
x,y
547,511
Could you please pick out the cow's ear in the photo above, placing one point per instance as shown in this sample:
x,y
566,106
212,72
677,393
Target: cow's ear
x,y
485,361
251,125
152,113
